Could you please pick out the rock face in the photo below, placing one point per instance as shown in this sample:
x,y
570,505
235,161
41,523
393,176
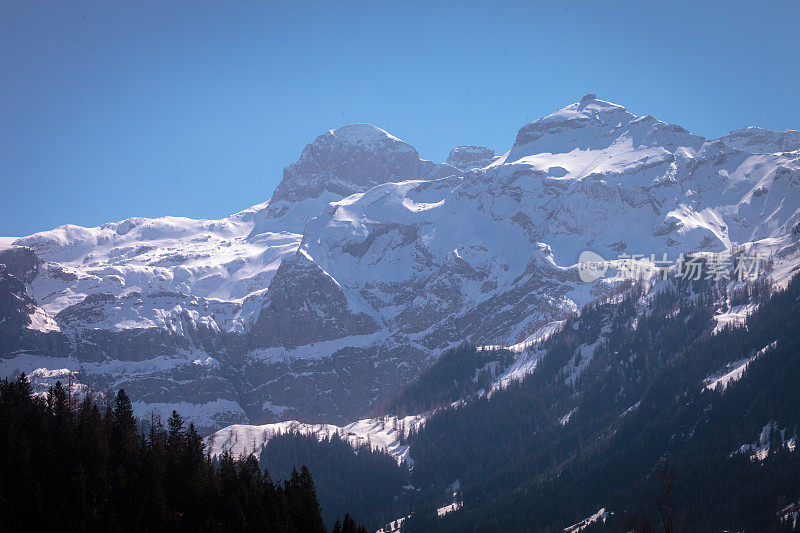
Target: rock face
x,y
20,262
143,326
305,305
368,262
24,325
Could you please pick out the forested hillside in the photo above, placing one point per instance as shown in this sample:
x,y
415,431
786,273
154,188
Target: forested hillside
x,y
364,482
84,467
458,373
658,397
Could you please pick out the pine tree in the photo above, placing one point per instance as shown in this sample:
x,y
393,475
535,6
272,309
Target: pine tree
x,y
312,516
124,422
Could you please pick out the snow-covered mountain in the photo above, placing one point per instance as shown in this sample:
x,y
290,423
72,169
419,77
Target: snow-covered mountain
x,y
369,261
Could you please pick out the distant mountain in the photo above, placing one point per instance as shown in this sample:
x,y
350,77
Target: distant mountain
x,y
760,141
369,262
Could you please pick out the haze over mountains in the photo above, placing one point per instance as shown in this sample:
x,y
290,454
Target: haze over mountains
x,y
368,262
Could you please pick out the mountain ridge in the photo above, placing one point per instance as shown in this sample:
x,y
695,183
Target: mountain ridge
x,y
404,258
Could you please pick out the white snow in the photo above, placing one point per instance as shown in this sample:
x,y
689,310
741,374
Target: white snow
x,y
124,369
600,516
394,525
41,379
707,219
316,350
759,450
734,316
207,258
734,371
537,336
241,439
583,356
455,506
42,321
632,408
526,355
364,134
454,488
564,420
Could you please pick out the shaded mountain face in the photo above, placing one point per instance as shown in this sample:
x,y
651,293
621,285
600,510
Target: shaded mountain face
x,y
305,305
368,262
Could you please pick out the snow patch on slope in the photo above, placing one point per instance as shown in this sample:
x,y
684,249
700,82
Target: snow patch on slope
x,y
599,517
42,321
733,372
243,439
759,450
734,316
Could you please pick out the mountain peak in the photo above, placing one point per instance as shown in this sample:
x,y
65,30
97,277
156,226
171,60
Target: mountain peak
x,y
362,133
594,124
468,157
558,131
592,105
347,160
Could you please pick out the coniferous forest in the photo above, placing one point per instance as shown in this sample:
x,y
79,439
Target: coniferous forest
x,y
77,466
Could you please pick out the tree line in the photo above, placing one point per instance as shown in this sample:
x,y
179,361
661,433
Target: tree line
x,y
364,482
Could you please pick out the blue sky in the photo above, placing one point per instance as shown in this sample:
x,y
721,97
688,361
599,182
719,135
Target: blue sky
x,y
110,110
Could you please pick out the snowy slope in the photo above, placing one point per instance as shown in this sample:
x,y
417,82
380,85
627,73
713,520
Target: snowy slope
x,y
380,434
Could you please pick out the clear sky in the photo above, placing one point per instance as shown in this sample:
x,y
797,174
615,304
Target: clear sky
x,y
110,110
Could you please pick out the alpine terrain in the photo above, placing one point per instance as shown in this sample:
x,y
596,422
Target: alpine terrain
x,y
596,329
368,262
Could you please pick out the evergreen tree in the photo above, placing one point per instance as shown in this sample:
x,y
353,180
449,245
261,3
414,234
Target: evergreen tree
x,y
175,425
312,518
123,420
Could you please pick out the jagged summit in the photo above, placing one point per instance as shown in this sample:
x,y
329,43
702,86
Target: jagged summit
x,y
349,159
589,109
